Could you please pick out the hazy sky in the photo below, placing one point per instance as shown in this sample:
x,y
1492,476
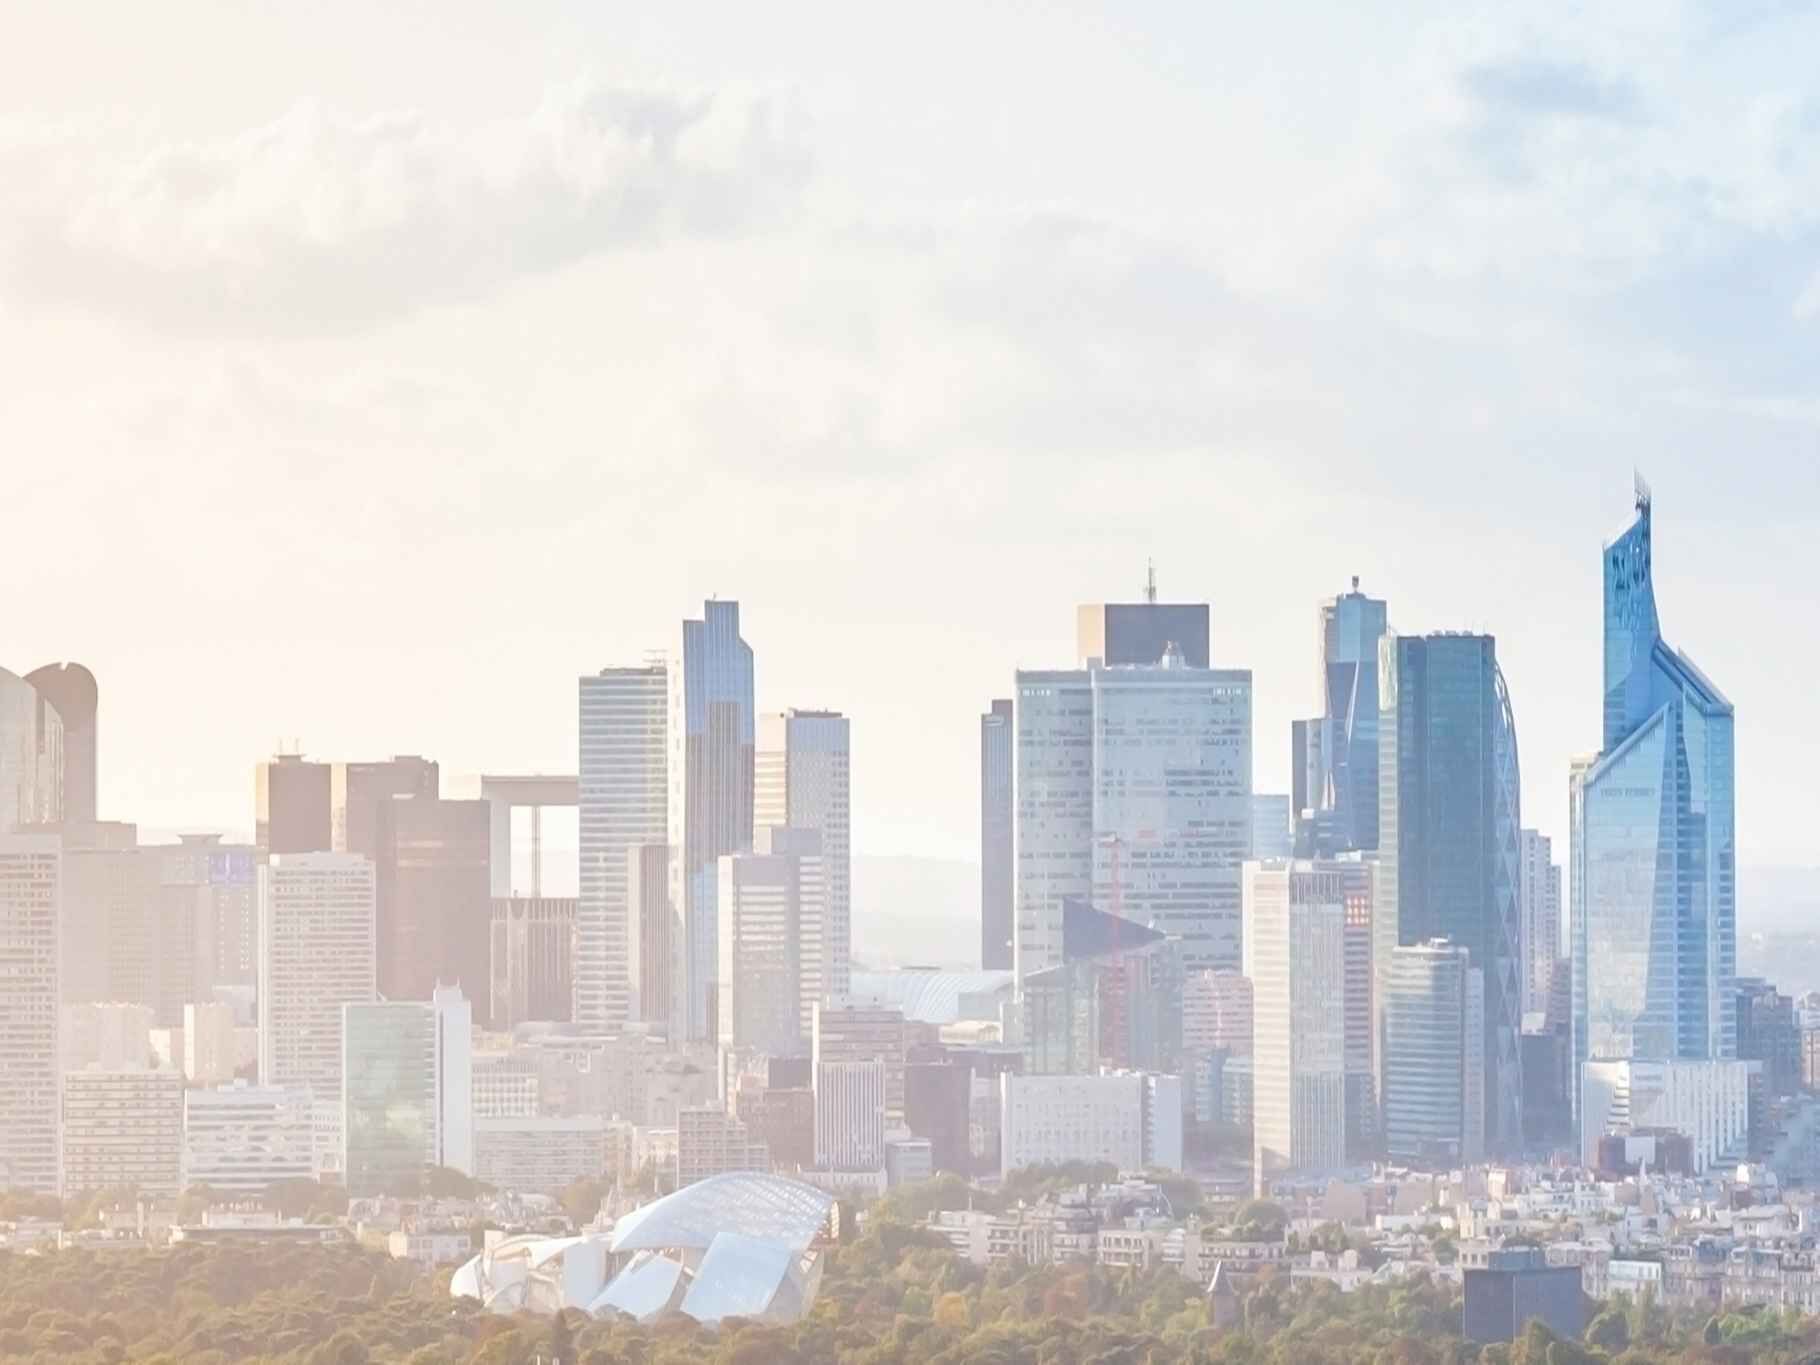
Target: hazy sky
x,y
371,371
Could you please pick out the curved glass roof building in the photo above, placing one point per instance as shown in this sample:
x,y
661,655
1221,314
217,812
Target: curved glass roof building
x,y
1654,838
745,1244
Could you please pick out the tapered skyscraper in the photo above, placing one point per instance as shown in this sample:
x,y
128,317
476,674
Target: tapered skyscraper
x,y
1653,857
1334,759
711,790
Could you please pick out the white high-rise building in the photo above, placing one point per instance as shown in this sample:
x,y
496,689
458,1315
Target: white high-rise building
x,y
803,781
624,803
242,1139
31,1097
113,1035
122,1128
316,954
1133,792
1708,1102
210,1043
773,907
407,1091
1295,955
850,1116
1130,1119
1539,906
712,739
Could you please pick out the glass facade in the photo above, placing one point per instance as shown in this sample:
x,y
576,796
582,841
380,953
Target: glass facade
x,y
1653,825
389,1096
1449,824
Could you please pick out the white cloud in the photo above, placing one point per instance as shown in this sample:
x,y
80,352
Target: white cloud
x,y
323,221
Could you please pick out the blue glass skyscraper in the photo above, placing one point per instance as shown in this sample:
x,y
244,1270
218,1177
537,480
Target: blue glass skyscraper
x,y
1449,817
1334,758
1653,830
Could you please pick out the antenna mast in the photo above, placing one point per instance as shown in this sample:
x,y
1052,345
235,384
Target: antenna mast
x,y
1150,581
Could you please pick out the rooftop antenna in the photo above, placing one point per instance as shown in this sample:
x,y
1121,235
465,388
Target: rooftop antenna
x,y
1150,581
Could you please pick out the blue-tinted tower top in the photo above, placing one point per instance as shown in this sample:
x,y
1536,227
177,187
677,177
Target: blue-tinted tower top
x,y
1653,839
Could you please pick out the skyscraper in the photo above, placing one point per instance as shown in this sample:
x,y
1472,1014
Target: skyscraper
x,y
1539,886
802,781
31,756
1334,764
623,803
70,689
771,901
653,940
316,955
711,789
1434,1051
31,870
1448,833
359,791
998,881
407,1091
1133,793
1295,917
291,806
1653,847
1120,633
433,907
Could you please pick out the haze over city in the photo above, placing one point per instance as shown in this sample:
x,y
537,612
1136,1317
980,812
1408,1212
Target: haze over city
x,y
810,683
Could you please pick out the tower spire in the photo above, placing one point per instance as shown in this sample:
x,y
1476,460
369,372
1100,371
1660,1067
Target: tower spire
x,y
1150,581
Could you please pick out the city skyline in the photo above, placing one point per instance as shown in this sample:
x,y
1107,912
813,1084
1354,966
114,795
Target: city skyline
x,y
938,345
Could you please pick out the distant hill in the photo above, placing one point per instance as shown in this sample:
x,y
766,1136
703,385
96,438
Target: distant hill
x,y
916,911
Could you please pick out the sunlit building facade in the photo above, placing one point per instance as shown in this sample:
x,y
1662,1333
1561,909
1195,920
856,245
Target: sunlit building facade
x,y
1653,840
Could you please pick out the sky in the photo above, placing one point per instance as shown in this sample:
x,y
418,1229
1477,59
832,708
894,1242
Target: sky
x,y
372,372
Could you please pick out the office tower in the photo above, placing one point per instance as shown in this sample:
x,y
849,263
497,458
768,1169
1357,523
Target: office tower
x,y
359,791
31,756
1768,1033
1539,891
1653,846
111,1035
1358,889
433,905
938,1106
998,735
1216,1012
1115,999
210,1044
70,690
772,903
855,1031
316,955
532,958
1133,792
291,806
1272,832
1434,1052
711,746
653,936
802,781
1295,956
623,803
1448,834
241,1139
1131,1120
1334,758
122,1129
850,1116
710,1142
407,1091
30,1051
1121,633
131,933
223,885
781,1117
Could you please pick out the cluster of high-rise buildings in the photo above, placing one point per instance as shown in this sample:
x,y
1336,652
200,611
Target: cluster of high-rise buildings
x,y
1369,966
1375,967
